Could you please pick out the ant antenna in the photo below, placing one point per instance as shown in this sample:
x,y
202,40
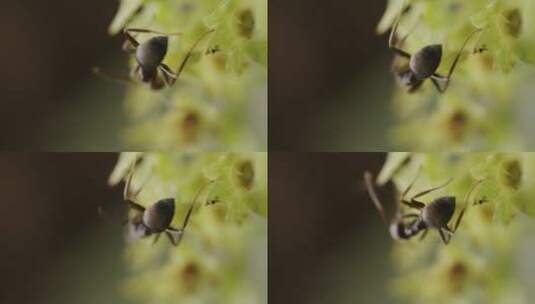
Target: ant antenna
x,y
188,55
472,189
436,77
175,235
145,31
460,217
371,191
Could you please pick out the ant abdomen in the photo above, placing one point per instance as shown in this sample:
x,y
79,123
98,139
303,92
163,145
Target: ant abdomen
x,y
439,212
151,53
425,62
158,217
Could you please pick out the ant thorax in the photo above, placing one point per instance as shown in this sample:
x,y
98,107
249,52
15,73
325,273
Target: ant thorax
x,y
426,61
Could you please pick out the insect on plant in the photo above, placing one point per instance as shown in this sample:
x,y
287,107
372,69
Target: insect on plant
x,y
423,64
155,219
434,215
149,56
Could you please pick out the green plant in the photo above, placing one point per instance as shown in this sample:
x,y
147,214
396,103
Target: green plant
x,y
488,103
488,259
220,101
223,256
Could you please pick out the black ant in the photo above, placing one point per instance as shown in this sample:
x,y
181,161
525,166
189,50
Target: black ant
x,y
155,219
434,215
422,64
149,56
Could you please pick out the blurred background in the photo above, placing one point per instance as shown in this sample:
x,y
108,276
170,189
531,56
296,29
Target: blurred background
x,y
51,100
55,249
330,73
327,243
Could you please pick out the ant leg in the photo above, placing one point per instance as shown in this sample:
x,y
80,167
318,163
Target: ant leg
x,y
174,235
371,192
414,204
457,223
156,238
443,237
430,190
133,42
411,184
195,199
460,217
446,79
402,40
423,235
440,89
168,75
130,197
188,55
171,231
391,38
170,235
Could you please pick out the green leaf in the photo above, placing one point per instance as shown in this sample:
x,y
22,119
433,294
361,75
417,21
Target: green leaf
x,y
126,9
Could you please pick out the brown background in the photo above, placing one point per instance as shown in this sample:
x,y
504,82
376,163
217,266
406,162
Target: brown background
x,y
327,243
48,49
52,240
329,79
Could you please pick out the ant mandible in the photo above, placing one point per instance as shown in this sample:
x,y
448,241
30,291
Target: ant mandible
x,y
434,215
149,55
423,64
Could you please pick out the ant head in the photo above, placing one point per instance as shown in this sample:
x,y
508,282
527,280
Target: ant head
x,y
438,213
158,217
397,230
425,62
151,53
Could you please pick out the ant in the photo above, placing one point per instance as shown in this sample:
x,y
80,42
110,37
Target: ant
x,y
149,55
434,215
423,64
155,219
